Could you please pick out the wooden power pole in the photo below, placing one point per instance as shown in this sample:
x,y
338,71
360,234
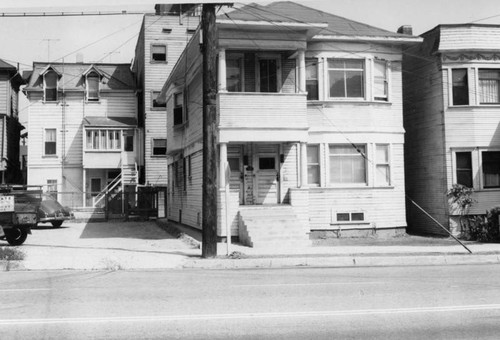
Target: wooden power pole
x,y
209,214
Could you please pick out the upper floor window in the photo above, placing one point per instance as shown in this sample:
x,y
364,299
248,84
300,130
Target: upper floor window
x,y
347,164
155,105
178,108
460,87
234,74
489,86
93,80
268,74
159,146
50,86
159,53
380,80
312,79
50,142
101,139
346,78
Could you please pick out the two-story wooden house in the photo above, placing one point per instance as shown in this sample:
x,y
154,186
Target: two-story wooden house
x,y
10,128
309,127
161,40
452,122
83,132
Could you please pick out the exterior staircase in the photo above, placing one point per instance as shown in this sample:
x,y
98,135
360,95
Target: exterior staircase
x,y
271,226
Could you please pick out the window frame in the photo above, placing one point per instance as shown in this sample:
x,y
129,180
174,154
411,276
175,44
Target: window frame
x,y
316,165
336,221
453,86
152,53
258,76
481,168
92,74
45,141
479,88
357,154
387,164
311,62
153,147
95,143
386,81
45,87
457,169
178,116
328,69
240,58
157,107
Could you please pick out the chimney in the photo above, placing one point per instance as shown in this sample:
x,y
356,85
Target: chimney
x,y
406,29
79,58
162,9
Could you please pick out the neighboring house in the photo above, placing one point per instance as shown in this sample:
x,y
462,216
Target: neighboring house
x,y
161,41
452,121
83,132
309,127
10,128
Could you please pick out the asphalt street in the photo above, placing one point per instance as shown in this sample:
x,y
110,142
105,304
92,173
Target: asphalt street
x,y
438,302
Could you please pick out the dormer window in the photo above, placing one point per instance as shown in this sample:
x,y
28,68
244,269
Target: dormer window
x,y
50,86
93,80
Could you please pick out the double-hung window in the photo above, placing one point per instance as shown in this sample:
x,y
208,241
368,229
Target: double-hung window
x,y
464,168
93,80
234,74
382,165
380,81
50,86
460,87
50,142
312,79
178,108
159,53
489,86
347,164
268,74
313,165
346,78
159,146
491,169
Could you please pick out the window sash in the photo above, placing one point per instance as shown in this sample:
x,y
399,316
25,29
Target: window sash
x,y
159,53
268,71
50,86
346,78
93,87
382,165
312,83
154,100
159,146
380,81
234,75
491,169
103,139
313,170
463,166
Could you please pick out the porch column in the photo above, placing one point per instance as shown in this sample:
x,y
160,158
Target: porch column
x,y
302,71
222,165
84,187
222,71
303,165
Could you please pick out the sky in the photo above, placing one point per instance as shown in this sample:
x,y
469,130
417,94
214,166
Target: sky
x,y
24,40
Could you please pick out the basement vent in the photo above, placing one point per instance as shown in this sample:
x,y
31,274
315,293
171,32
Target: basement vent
x,y
166,30
191,30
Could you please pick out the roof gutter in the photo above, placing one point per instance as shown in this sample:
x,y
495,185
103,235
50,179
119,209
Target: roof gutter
x,y
365,38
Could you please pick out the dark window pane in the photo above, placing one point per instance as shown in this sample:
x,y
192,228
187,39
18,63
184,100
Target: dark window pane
x,y
491,169
268,75
267,163
50,148
337,86
358,216
355,84
234,163
342,217
159,53
129,143
178,115
460,87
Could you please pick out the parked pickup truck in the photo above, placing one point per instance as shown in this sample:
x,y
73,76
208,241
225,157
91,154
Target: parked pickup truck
x,y
18,212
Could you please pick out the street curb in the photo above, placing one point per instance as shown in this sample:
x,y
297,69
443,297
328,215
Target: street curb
x,y
343,261
6,266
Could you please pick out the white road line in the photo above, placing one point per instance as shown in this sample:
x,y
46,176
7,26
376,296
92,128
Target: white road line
x,y
165,318
311,284
23,289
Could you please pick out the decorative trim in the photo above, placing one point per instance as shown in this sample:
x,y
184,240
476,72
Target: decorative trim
x,y
471,56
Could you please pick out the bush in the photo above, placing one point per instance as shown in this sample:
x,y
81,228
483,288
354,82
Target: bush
x,y
11,254
487,229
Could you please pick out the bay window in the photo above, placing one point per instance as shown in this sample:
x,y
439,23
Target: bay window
x,y
312,79
491,169
102,139
460,87
489,81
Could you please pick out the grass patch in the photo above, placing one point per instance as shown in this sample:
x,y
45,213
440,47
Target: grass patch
x,y
11,254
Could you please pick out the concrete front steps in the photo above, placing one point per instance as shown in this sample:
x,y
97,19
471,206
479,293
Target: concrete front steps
x,y
271,226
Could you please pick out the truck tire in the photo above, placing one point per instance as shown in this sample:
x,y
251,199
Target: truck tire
x,y
16,236
56,224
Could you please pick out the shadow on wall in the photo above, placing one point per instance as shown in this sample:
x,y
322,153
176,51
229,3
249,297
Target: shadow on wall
x,y
135,230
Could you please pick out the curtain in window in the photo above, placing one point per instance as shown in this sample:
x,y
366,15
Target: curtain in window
x,y
347,165
489,86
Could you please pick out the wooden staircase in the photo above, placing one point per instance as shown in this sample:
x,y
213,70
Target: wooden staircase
x,y
271,226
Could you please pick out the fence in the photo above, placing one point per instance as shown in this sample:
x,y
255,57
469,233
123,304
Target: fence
x,y
141,201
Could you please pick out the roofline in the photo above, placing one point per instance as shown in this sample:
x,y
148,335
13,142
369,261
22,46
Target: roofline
x,y
405,39
271,23
470,24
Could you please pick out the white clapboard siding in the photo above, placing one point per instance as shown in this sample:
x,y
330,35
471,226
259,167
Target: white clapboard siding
x,y
4,94
469,37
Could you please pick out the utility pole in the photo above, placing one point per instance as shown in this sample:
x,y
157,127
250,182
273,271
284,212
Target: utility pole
x,y
48,47
209,186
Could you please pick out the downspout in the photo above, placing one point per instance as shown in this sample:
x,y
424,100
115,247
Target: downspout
x,y
63,134
4,121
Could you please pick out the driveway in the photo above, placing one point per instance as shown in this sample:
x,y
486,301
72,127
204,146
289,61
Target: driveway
x,y
104,245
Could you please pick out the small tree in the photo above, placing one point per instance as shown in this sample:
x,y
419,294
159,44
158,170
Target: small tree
x,y
460,199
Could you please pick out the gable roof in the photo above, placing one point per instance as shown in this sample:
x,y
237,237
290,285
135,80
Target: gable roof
x,y
6,66
115,76
291,12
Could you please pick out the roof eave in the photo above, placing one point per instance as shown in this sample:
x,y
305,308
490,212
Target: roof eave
x,y
365,38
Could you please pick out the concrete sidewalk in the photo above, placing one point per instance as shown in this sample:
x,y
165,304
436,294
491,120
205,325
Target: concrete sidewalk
x,y
160,245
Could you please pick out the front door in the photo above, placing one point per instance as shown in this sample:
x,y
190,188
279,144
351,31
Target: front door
x,y
266,165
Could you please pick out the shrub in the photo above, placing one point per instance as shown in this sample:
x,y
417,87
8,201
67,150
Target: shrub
x,y
487,229
11,254
461,196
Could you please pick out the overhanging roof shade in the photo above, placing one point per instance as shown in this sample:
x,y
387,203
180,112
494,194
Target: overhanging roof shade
x,y
117,122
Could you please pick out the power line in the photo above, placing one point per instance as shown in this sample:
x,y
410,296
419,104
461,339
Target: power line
x,y
70,14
